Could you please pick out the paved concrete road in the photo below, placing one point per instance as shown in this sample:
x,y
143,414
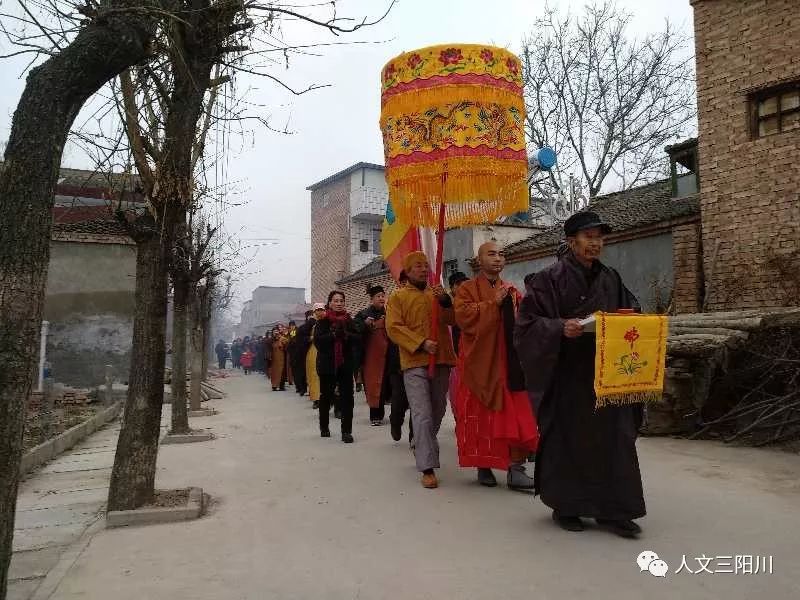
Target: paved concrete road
x,y
300,517
55,506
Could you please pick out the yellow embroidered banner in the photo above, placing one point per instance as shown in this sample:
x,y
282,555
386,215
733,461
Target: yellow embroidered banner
x,y
630,358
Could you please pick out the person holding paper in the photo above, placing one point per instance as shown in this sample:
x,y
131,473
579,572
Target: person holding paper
x,y
495,426
586,463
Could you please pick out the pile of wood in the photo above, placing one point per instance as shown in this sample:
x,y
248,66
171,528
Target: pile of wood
x,y
72,397
209,392
732,374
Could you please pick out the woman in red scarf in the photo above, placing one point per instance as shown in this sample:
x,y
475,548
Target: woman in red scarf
x,y
336,337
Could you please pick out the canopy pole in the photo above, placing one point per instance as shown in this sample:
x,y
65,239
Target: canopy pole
x,y
437,280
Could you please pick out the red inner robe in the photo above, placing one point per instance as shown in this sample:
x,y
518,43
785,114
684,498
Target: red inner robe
x,y
486,437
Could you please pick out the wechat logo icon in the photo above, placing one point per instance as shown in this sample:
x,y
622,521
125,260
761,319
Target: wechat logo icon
x,y
649,561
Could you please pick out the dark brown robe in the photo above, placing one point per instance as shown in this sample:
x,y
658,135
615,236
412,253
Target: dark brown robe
x,y
586,464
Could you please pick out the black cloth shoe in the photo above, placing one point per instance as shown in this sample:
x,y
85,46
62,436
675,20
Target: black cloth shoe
x,y
486,478
325,433
315,405
568,523
397,432
623,528
337,414
347,438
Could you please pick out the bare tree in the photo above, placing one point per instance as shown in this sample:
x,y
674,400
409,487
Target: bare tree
x,y
605,101
175,94
113,35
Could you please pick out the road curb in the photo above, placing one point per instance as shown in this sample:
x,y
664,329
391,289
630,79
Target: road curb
x,y
63,442
150,516
187,438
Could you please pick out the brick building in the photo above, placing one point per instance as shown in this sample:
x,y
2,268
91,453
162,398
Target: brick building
x,y
347,212
355,285
269,306
649,245
748,94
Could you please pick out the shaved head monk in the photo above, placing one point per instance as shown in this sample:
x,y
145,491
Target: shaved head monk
x,y
495,426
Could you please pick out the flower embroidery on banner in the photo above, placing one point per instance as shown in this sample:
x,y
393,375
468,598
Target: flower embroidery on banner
x,y
414,61
631,336
390,71
629,364
451,56
513,66
487,56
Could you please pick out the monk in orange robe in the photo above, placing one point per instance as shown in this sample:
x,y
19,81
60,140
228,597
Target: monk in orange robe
x,y
495,425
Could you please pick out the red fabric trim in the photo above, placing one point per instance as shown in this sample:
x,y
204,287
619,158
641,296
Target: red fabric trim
x,y
455,152
449,80
485,437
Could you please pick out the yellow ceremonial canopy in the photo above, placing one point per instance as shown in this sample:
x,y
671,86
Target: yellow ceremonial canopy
x,y
452,119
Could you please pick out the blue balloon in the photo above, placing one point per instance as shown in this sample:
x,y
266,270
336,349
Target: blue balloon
x,y
546,157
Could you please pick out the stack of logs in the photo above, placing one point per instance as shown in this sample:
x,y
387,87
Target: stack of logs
x,y
724,380
207,391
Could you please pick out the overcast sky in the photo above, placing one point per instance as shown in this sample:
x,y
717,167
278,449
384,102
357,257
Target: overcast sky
x,y
338,126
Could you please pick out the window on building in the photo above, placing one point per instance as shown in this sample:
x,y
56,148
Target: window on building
x,y
449,267
775,110
376,241
363,246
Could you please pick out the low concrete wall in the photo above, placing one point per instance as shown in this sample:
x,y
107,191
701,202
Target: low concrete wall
x,y
52,448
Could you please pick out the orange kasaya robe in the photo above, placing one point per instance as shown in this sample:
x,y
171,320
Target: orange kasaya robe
x,y
277,373
375,363
495,425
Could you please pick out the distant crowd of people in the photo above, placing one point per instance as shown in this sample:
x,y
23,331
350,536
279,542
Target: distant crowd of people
x,y
518,371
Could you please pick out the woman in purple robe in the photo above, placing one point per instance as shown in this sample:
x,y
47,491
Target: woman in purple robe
x,y
586,463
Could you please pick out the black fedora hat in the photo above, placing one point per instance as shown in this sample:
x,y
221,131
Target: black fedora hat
x,y
585,220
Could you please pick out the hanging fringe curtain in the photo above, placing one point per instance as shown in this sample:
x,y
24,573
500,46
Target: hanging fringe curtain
x,y
452,120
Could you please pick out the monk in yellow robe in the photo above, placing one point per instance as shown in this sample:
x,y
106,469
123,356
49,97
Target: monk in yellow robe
x,y
314,389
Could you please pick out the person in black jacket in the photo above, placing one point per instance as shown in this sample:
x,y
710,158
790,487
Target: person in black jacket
x,y
297,354
336,337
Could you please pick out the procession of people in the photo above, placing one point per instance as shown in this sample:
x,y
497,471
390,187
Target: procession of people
x,y
518,369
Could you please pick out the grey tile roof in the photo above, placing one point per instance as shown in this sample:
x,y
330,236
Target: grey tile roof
x,y
373,268
96,226
344,173
629,209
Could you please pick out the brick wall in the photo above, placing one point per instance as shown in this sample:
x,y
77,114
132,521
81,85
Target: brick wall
x,y
749,187
687,264
355,292
330,238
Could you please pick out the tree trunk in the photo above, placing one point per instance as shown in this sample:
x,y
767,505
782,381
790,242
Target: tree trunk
x,y
54,94
208,342
206,352
197,355
196,36
180,415
133,475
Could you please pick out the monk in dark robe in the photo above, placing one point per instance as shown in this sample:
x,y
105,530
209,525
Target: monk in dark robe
x,y
586,463
495,426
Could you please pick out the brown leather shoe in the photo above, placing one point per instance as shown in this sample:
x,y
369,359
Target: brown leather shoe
x,y
429,482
